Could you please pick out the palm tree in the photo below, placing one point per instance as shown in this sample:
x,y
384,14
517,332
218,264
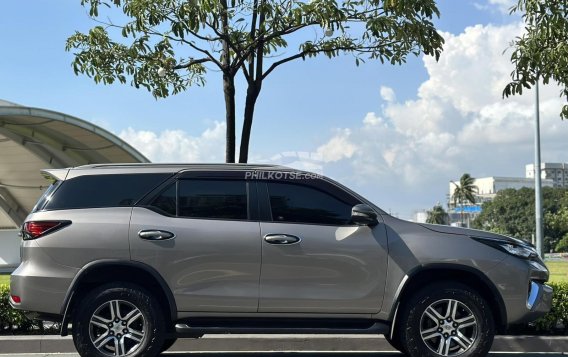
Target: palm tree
x,y
464,192
437,215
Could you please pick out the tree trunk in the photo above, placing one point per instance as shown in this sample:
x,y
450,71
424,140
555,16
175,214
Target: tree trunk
x,y
252,95
229,91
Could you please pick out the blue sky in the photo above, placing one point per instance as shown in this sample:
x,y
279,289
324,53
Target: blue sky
x,y
371,127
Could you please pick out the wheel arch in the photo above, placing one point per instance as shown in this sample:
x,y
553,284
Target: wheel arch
x,y
101,272
427,274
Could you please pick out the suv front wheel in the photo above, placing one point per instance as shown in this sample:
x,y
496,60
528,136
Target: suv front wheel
x,y
447,319
118,320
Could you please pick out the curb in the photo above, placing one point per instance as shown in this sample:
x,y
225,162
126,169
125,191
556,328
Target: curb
x,y
244,343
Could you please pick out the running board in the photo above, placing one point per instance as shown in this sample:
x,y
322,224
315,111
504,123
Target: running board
x,y
197,327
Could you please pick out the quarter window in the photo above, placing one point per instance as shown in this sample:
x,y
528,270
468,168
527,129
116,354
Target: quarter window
x,y
302,204
166,201
220,199
92,191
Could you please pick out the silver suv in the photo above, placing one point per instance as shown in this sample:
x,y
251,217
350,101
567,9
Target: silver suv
x,y
135,256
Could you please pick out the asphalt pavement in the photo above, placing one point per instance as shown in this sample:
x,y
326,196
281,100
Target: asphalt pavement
x,y
283,346
288,354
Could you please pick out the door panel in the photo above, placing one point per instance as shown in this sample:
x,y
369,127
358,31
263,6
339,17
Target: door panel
x,y
210,265
332,269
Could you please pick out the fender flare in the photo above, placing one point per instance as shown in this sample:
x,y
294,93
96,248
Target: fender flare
x,y
71,292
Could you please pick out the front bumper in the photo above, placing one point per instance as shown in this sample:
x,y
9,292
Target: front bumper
x,y
521,285
539,301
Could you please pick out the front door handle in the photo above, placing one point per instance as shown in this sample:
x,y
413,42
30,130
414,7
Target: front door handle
x,y
156,234
281,239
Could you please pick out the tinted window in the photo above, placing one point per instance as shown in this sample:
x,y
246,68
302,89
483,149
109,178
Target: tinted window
x,y
224,199
46,196
296,203
166,201
103,190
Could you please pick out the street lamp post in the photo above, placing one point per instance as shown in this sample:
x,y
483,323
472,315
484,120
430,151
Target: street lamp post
x,y
537,178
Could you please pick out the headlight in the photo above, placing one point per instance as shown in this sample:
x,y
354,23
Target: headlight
x,y
518,250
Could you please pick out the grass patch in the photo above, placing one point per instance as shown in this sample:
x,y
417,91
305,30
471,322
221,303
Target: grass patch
x,y
4,279
558,271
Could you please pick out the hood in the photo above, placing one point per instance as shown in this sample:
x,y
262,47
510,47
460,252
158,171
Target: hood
x,y
471,233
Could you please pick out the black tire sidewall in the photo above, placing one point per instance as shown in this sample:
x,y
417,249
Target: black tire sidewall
x,y
152,342
414,308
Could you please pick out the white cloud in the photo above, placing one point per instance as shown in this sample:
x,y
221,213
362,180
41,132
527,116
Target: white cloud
x,y
387,94
178,145
337,148
503,6
458,122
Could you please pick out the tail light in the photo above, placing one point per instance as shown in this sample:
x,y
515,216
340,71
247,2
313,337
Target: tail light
x,y
37,229
16,299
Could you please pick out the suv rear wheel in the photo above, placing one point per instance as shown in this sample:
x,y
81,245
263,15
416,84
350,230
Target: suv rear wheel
x,y
447,319
117,320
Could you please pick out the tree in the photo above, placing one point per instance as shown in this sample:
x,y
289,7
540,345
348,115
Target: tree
x,y
464,192
437,215
542,51
559,223
511,213
166,44
562,246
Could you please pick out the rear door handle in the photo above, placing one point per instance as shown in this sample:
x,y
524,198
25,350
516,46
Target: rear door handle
x,y
281,239
155,234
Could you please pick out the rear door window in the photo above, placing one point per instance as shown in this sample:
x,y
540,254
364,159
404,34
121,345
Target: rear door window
x,y
216,199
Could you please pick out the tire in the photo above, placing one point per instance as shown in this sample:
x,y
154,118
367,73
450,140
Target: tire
x,y
168,343
454,320
136,330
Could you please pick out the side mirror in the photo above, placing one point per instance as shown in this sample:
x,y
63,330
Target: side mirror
x,y
363,215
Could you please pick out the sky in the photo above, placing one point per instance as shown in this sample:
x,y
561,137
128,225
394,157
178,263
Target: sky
x,y
396,134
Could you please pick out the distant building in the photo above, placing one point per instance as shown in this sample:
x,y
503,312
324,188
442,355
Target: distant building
x,y
487,189
556,172
489,186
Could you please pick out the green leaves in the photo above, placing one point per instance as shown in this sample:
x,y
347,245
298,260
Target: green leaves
x,y
555,321
171,34
542,51
465,190
512,213
437,215
107,61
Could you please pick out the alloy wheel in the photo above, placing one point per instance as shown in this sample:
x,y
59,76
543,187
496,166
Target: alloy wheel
x,y
448,327
117,328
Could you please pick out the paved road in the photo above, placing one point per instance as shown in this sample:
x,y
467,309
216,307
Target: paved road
x,y
282,346
288,354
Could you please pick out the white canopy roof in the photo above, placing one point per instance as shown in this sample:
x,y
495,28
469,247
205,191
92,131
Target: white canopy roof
x,y
32,139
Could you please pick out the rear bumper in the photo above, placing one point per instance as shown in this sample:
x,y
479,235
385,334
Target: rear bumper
x,y
40,283
42,294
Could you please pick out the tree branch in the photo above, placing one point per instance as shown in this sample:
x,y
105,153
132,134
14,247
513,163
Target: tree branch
x,y
252,36
303,54
191,63
285,60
